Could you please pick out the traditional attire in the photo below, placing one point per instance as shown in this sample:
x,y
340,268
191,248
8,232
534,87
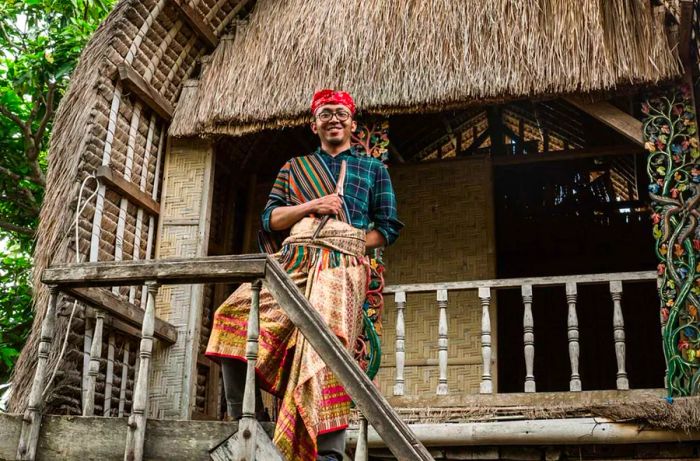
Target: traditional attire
x,y
332,271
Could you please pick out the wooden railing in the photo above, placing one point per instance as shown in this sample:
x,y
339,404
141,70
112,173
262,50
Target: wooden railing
x,y
483,290
81,280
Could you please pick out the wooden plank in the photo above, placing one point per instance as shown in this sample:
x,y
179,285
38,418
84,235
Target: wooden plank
x,y
125,311
133,81
528,400
197,23
175,271
103,438
517,282
684,33
395,433
128,189
611,116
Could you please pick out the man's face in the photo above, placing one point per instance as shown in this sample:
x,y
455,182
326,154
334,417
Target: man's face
x,y
333,132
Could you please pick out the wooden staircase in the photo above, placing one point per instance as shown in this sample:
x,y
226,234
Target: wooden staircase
x,y
82,280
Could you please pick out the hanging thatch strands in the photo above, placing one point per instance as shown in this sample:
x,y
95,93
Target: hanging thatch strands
x,y
406,56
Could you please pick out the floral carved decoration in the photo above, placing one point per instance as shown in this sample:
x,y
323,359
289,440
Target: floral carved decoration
x,y
673,166
372,139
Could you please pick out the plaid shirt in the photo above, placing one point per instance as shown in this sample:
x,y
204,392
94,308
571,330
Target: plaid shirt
x,y
369,196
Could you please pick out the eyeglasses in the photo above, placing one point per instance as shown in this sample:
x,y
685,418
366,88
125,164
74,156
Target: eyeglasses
x,y
327,116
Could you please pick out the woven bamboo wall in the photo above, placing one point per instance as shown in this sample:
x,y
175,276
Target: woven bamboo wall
x,y
446,208
184,232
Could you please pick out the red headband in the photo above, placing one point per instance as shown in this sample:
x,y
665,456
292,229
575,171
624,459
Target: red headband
x,y
323,97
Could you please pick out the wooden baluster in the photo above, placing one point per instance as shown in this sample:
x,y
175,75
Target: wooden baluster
x,y
442,342
137,420
362,450
619,334
125,379
528,338
31,421
248,424
109,378
94,367
400,298
87,347
486,386
572,333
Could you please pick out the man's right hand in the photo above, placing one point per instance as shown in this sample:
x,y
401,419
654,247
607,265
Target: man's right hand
x,y
329,204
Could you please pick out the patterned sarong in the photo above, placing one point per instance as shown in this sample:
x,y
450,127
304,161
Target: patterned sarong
x,y
333,273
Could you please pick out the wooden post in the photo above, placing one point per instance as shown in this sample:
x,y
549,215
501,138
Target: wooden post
x,y
87,347
109,378
528,338
486,386
400,298
442,342
619,334
136,432
94,367
125,379
248,424
572,333
31,422
362,450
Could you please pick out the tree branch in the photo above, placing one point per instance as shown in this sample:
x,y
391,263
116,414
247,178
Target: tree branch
x,y
17,229
48,113
18,121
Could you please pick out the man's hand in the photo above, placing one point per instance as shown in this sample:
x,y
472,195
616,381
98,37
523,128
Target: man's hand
x,y
329,204
285,217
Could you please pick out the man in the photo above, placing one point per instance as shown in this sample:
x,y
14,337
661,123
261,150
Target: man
x,y
328,264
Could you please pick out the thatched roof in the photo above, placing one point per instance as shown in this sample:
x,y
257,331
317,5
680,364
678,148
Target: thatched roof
x,y
407,56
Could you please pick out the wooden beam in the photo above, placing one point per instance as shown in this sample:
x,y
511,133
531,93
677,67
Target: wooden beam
x,y
684,33
611,116
122,310
175,271
128,189
197,22
573,431
570,154
133,81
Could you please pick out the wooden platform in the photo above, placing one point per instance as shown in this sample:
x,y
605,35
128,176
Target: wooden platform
x,y
95,438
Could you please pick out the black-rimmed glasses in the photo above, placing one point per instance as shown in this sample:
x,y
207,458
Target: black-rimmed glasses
x,y
327,116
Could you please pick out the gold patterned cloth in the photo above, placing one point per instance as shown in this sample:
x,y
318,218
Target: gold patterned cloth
x,y
332,271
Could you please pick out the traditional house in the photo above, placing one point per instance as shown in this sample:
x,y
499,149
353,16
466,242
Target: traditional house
x,y
541,302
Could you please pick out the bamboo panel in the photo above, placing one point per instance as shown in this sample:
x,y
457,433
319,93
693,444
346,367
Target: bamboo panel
x,y
448,236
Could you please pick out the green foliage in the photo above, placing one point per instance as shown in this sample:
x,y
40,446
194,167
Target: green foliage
x,y
40,43
15,303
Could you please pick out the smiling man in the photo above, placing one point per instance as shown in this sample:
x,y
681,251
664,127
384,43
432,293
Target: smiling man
x,y
326,258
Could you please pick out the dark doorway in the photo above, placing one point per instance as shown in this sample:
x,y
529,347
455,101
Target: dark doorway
x,y
576,216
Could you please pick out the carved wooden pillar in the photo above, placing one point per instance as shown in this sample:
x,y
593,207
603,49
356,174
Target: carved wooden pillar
x,y
673,166
400,298
486,386
529,338
572,333
442,342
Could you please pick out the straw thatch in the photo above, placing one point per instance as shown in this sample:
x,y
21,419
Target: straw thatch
x,y
418,55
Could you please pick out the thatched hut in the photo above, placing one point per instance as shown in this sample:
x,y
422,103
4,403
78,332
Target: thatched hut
x,y
516,152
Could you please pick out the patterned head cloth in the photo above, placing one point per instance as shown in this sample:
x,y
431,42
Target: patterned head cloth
x,y
323,97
